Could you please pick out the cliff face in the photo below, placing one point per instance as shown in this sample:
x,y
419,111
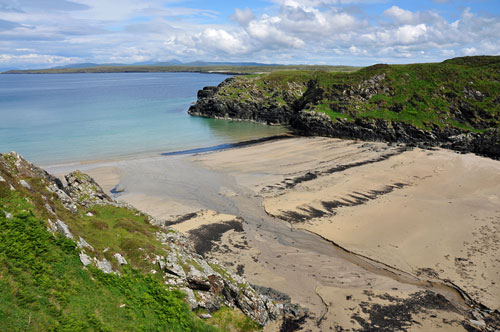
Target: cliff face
x,y
455,104
92,245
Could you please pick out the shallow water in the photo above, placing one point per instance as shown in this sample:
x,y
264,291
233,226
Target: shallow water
x,y
53,119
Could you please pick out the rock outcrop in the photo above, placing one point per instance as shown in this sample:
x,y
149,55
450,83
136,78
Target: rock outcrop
x,y
206,284
367,106
84,190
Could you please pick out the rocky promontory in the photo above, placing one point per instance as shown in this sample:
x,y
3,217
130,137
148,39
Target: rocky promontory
x,y
454,104
107,243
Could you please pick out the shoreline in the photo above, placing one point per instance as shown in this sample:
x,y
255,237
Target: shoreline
x,y
137,156
247,196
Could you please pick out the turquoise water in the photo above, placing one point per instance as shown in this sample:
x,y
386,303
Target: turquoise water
x,y
52,119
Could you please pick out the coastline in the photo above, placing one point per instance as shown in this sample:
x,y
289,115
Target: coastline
x,y
235,192
60,167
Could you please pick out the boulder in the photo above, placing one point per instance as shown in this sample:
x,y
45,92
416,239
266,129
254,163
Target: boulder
x,y
83,244
85,259
63,229
121,260
25,184
84,190
105,266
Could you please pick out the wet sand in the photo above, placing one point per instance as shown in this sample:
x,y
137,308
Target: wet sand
x,y
403,217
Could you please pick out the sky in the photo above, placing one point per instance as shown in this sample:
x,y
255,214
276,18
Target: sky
x,y
48,33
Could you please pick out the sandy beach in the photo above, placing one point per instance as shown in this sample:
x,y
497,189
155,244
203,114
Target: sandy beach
x,y
363,235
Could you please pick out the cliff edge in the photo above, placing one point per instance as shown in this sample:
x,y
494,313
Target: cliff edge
x,y
453,104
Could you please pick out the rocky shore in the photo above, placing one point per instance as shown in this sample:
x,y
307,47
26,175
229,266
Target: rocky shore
x,y
365,107
72,203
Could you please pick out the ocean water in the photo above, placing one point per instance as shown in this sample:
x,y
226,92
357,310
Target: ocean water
x,y
56,119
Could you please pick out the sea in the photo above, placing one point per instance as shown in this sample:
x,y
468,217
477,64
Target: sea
x,y
54,119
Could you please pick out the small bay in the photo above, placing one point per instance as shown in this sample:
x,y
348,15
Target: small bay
x,y
63,118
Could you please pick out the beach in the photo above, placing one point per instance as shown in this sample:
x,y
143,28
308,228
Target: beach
x,y
362,234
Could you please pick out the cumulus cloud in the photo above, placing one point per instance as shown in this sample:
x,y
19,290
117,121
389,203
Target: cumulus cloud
x,y
400,15
320,31
33,58
243,16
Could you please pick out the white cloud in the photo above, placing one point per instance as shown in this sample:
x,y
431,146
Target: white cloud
x,y
409,34
320,31
243,16
470,51
222,40
33,58
400,15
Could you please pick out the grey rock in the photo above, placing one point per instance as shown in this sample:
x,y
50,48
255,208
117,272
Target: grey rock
x,y
52,226
85,259
84,190
84,244
121,260
479,323
209,301
197,279
2,179
25,184
105,266
190,297
67,201
160,260
63,229
294,107
89,214
49,209
8,215
172,266
205,316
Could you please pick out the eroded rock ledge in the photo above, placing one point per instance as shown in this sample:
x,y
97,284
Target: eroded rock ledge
x,y
67,207
315,104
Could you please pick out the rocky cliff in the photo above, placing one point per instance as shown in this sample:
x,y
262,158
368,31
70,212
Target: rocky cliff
x,y
115,239
454,104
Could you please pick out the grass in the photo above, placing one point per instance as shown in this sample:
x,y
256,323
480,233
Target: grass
x,y
229,319
43,286
424,95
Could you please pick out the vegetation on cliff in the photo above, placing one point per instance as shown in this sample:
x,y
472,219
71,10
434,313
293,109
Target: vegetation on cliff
x,y
434,100
97,270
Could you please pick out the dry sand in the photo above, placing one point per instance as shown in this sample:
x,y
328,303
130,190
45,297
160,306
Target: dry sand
x,y
404,217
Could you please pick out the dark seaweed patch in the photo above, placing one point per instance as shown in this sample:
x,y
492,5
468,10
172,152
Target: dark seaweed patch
x,y
291,324
290,183
398,315
181,219
354,199
205,236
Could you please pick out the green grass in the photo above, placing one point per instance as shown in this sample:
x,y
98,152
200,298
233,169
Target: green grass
x,y
229,319
424,95
43,286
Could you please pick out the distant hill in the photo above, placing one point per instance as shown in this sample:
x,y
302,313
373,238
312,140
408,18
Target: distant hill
x,y
243,64
87,65
195,67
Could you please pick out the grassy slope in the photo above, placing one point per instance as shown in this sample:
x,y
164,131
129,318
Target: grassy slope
x,y
419,94
201,69
44,287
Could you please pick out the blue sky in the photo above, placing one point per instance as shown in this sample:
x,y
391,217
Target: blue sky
x,y
47,33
